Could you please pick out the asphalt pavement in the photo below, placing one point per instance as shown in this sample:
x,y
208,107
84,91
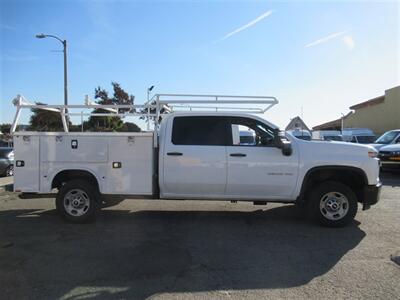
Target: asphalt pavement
x,y
155,249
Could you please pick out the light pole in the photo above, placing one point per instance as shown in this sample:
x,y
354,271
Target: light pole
x,y
342,123
148,106
64,43
148,92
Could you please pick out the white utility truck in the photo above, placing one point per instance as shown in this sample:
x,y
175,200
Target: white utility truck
x,y
194,152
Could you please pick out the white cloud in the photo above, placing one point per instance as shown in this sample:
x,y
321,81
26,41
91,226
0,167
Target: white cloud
x,y
7,27
21,58
349,42
326,38
248,25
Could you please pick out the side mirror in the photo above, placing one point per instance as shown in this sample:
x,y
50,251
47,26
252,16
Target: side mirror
x,y
286,147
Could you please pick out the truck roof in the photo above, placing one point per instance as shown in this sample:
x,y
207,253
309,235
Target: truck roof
x,y
222,114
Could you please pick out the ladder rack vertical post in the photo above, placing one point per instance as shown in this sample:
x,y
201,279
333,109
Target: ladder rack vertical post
x,y
81,120
63,119
148,117
16,120
158,112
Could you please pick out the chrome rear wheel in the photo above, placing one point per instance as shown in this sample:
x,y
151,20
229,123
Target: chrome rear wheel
x,y
76,202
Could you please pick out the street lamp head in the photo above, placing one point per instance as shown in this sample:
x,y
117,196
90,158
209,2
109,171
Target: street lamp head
x,y
150,88
41,36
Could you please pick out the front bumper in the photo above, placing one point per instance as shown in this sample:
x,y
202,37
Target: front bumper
x,y
389,163
371,195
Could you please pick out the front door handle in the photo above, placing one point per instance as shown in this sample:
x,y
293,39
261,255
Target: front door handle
x,y
174,154
238,154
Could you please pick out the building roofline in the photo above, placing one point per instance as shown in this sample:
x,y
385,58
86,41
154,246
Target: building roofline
x,y
370,102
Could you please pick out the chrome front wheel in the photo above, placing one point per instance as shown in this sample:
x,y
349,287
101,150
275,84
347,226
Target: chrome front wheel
x,y
334,205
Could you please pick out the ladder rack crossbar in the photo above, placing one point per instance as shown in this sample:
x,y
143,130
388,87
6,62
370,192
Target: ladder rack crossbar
x,y
155,107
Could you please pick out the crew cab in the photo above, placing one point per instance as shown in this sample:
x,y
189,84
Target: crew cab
x,y
198,156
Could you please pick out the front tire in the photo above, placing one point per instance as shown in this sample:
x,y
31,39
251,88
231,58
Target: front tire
x,y
333,204
78,201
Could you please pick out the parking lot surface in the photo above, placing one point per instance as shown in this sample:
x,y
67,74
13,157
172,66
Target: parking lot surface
x,y
202,249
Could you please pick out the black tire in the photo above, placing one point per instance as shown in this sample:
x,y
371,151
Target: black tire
x,y
10,171
78,201
333,204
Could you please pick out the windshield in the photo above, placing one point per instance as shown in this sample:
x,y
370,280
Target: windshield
x,y
333,138
387,137
304,137
365,139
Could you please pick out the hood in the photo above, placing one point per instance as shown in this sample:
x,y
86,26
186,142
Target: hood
x,y
393,147
335,146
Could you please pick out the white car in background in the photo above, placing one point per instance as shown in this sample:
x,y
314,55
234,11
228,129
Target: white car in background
x,y
327,135
358,135
301,134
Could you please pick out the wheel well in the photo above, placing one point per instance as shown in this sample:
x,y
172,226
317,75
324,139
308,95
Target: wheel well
x,y
352,177
66,175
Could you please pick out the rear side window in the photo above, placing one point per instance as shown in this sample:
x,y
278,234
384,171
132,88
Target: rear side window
x,y
211,131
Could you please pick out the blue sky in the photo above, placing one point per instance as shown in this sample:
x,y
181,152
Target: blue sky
x,y
319,56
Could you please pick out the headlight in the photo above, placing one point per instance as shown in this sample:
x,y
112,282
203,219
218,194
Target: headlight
x,y
372,154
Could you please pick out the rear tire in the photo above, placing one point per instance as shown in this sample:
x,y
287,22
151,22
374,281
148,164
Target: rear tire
x,y
333,204
78,201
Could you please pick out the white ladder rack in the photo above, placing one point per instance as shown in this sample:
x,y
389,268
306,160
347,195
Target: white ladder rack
x,y
152,109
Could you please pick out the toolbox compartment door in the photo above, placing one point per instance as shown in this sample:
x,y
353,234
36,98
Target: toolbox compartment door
x,y
26,163
70,148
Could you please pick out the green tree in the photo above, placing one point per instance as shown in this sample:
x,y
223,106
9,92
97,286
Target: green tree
x,y
5,137
111,123
45,120
5,128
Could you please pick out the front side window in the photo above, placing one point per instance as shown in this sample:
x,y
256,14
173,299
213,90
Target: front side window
x,y
200,130
250,132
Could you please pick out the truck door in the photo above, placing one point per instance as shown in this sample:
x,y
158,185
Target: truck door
x,y
194,157
258,170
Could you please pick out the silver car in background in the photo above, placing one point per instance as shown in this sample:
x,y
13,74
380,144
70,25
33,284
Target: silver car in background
x,y
6,161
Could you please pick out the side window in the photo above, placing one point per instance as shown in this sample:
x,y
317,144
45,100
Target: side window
x,y
250,132
206,131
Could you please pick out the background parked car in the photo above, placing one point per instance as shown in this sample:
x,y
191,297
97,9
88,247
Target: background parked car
x,y
301,134
327,135
389,137
6,161
358,135
247,137
390,156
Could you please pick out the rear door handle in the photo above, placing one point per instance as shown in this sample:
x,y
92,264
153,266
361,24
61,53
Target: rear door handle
x,y
174,154
238,154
